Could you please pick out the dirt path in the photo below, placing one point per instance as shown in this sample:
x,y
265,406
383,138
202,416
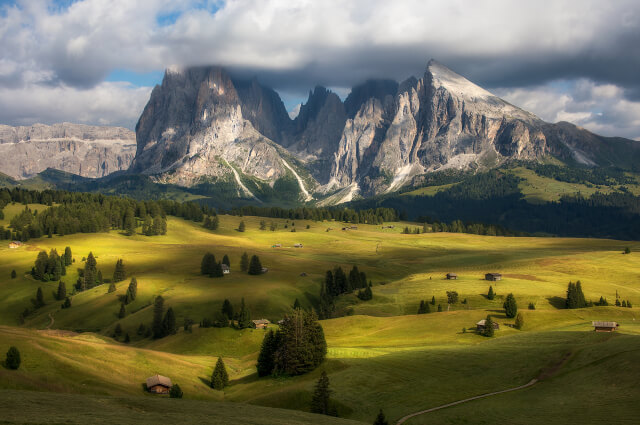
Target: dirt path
x,y
50,323
549,372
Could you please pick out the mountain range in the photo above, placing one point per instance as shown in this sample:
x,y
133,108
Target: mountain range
x,y
203,126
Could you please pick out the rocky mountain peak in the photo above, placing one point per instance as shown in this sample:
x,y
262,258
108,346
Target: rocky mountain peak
x,y
371,89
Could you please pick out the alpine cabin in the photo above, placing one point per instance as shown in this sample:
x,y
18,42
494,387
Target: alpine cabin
x,y
452,276
493,277
599,326
158,384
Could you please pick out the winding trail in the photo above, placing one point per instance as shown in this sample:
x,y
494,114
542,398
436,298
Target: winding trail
x,y
406,418
307,195
52,320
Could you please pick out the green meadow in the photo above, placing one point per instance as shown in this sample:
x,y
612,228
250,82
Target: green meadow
x,y
381,354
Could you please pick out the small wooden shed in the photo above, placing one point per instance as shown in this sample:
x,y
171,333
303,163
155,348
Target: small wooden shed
x,y
298,245
600,326
481,325
15,244
158,384
452,276
493,276
260,323
225,269
264,270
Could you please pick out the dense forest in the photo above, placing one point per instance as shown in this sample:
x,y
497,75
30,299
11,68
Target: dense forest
x,y
494,198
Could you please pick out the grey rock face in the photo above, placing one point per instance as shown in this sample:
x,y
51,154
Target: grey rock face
x,y
195,126
88,151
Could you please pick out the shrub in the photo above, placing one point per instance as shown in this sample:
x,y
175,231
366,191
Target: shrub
x,y
519,321
175,391
13,358
532,306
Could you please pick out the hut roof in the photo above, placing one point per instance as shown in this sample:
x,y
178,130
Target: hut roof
x,y
600,324
261,322
158,380
225,267
452,274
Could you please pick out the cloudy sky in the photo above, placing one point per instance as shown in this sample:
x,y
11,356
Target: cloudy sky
x,y
95,61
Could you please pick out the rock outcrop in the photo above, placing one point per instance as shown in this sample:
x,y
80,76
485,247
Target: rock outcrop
x,y
88,151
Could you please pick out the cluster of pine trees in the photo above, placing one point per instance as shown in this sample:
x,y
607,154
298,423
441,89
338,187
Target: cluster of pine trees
x,y
212,268
89,276
337,282
370,216
163,324
228,316
575,296
297,347
51,267
211,222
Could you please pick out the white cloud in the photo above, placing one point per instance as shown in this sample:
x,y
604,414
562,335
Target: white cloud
x,y
117,104
295,111
600,108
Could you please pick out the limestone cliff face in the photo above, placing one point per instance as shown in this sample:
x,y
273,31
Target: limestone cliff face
x,y
195,125
439,121
88,151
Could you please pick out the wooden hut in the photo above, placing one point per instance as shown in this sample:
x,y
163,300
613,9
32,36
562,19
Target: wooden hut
x,y
158,384
493,276
225,269
452,276
260,323
481,325
599,326
15,244
298,245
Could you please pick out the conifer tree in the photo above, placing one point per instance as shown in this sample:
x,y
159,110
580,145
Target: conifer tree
x,y
13,274
227,309
90,272
217,270
175,391
112,288
68,257
225,260
439,308
320,400
255,267
263,225
519,321
129,222
244,316
491,295
118,331
132,290
510,306
99,279
488,327
624,303
220,377
433,300
296,304
208,264
629,304
40,268
39,300
244,262
13,358
265,363
169,323
158,313
66,303
380,419
62,291
241,226
122,312
421,309
119,274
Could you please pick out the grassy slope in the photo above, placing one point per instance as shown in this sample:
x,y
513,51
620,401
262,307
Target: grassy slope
x,y
376,359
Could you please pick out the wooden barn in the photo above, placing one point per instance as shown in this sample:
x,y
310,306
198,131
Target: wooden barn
x,y
481,325
225,269
452,276
15,244
260,323
493,276
298,245
599,326
158,384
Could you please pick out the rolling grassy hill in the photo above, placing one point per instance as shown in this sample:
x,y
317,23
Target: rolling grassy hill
x,y
381,355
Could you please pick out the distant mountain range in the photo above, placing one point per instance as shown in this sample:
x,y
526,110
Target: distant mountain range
x,y
201,127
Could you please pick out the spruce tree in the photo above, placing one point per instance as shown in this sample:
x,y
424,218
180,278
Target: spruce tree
x,y
241,226
433,300
421,309
68,257
296,304
267,351
132,291
488,327
244,316
62,291
119,274
13,358
320,400
581,302
244,262
510,306
158,313
220,377
123,312
227,309
129,222
225,260
519,321
439,308
380,419
217,270
175,391
491,295
13,274
112,288
169,323
208,264
39,300
66,303
90,272
255,267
